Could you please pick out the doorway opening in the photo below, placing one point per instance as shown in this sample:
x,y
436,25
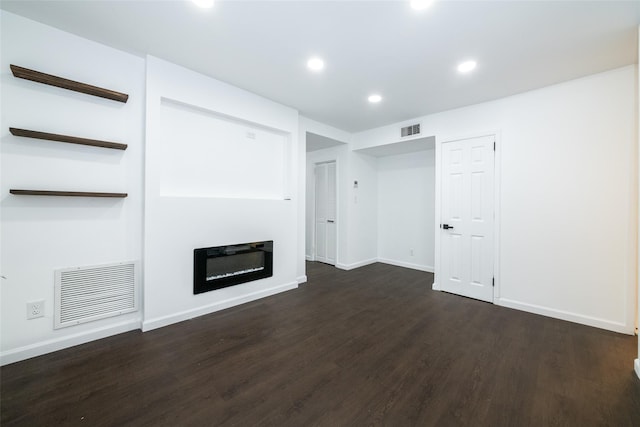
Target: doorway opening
x,y
324,158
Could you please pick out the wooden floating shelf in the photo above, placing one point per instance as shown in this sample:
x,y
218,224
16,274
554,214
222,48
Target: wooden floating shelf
x,y
65,138
65,193
48,79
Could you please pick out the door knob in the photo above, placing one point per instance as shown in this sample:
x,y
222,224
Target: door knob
x,y
330,220
447,226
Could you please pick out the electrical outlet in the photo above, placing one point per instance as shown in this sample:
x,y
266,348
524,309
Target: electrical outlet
x,y
35,309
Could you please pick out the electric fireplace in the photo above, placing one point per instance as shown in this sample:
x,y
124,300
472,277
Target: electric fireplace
x,y
222,266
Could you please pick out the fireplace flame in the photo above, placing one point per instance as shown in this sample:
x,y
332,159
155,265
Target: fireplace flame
x,y
235,273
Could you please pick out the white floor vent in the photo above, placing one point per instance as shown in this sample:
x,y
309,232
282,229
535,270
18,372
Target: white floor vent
x,y
84,294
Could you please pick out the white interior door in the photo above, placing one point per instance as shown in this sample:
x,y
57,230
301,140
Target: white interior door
x,y
325,212
467,217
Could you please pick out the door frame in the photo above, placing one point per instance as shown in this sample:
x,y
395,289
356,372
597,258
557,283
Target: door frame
x,y
496,205
313,206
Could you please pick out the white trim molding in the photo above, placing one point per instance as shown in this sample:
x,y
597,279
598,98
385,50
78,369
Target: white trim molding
x,y
302,279
427,268
566,315
636,367
356,264
49,346
159,322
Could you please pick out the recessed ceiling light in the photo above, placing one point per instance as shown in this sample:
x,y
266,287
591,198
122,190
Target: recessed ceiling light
x,y
374,99
205,4
467,66
315,64
421,4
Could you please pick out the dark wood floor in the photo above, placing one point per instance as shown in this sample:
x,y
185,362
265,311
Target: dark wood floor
x,y
372,346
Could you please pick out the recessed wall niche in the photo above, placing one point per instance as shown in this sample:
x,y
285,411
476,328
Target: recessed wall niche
x,y
209,154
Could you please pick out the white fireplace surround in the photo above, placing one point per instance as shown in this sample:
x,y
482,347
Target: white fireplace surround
x,y
212,114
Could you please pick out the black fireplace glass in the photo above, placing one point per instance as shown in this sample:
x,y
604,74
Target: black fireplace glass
x,y
222,266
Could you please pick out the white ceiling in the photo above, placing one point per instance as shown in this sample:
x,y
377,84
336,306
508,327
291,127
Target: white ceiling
x,y
318,142
400,147
368,46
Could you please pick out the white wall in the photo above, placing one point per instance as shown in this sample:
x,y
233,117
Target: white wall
x,y
230,155
406,209
362,220
177,224
569,193
40,234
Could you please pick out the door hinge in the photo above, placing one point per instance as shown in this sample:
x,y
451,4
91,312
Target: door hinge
x,y
493,282
494,146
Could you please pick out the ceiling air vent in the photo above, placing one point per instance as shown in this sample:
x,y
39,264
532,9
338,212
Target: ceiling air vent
x,y
410,130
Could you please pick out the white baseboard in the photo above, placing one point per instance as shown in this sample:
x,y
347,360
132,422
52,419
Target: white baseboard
x,y
427,268
636,367
302,279
356,264
49,346
435,287
159,322
309,258
566,315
